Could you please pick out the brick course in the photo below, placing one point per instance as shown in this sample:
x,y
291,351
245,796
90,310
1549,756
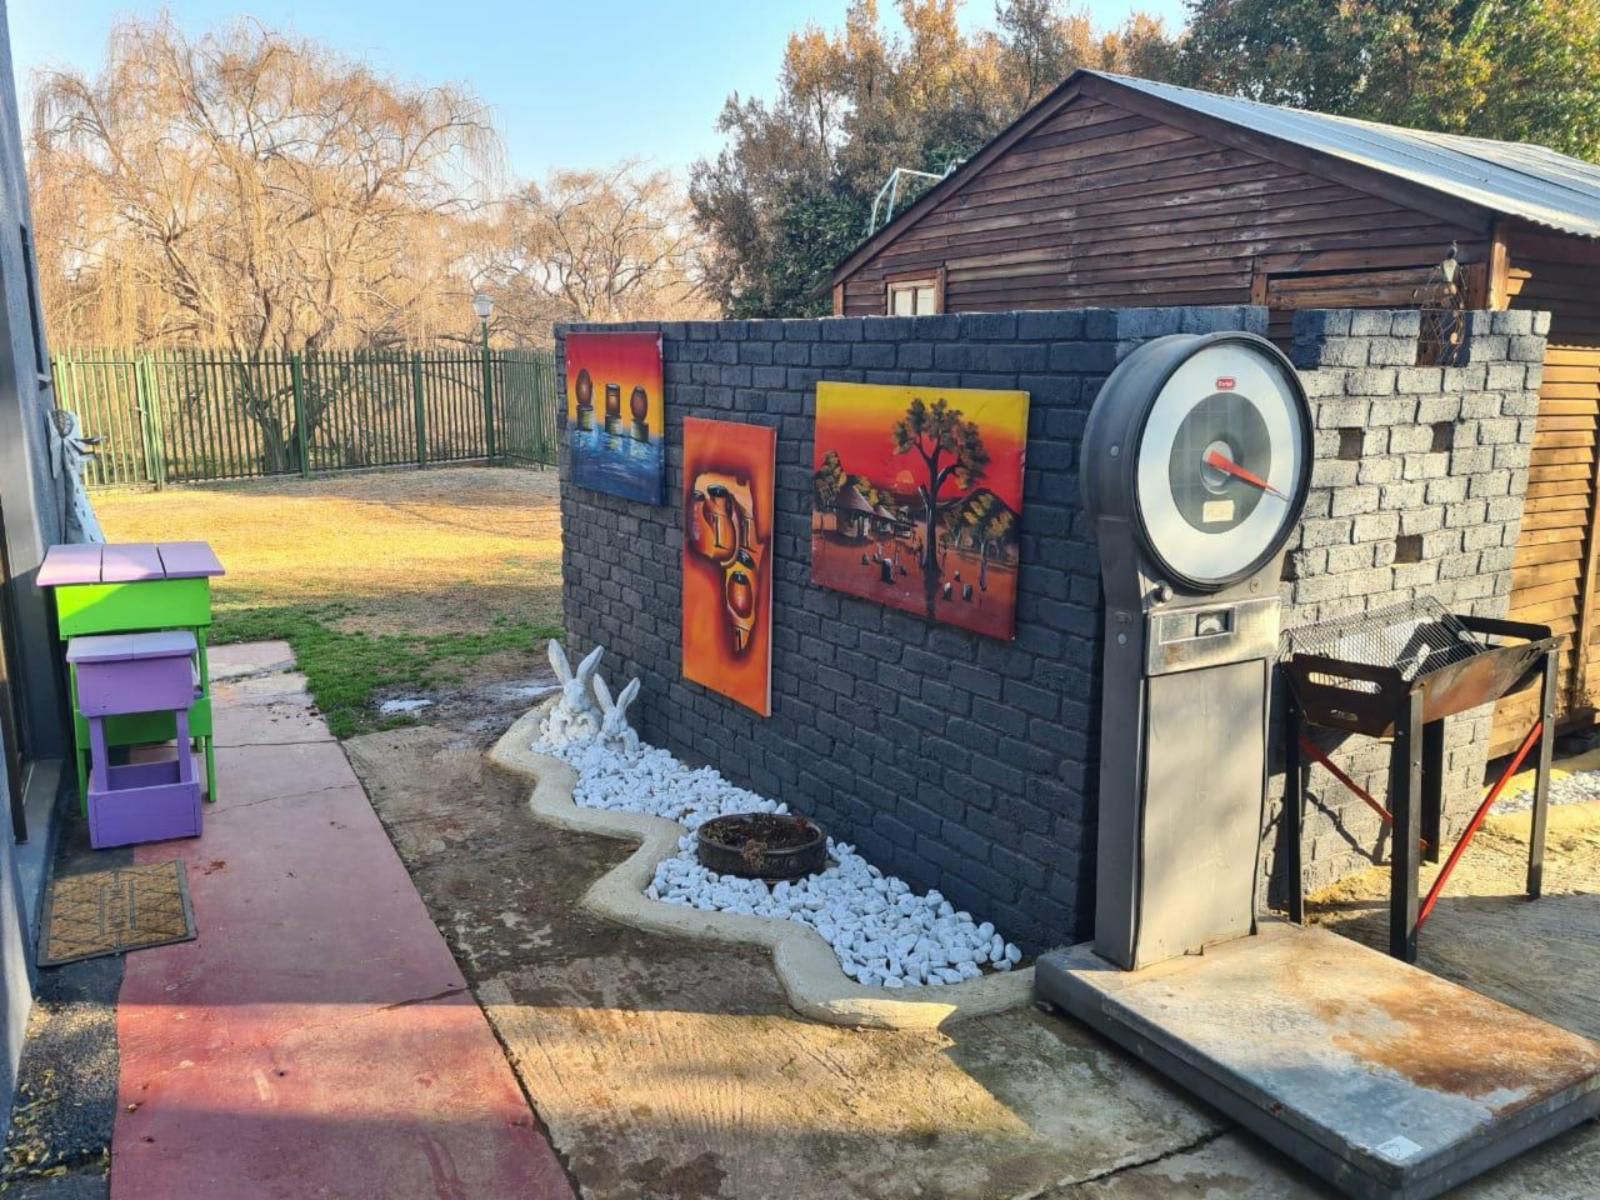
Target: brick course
x,y
969,764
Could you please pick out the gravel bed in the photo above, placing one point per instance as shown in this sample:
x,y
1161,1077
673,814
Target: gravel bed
x,y
1581,787
884,933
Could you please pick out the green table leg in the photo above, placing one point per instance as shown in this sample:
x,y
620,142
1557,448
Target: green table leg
x,y
211,772
210,737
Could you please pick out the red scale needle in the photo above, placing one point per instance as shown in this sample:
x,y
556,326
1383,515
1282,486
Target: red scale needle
x,y
1227,466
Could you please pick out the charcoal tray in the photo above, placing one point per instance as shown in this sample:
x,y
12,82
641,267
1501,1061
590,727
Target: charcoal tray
x,y
1500,659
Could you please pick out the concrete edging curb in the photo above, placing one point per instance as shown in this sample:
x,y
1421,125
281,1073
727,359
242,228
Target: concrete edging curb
x,y
806,965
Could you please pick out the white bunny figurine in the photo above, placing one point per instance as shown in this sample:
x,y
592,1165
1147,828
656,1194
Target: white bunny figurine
x,y
574,717
615,732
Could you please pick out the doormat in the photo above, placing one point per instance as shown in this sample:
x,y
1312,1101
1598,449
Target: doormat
x,y
110,912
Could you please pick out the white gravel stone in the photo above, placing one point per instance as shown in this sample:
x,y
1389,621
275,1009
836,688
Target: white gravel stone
x,y
884,934
1581,787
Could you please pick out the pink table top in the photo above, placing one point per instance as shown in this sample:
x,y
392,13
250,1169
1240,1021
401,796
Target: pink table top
x,y
134,562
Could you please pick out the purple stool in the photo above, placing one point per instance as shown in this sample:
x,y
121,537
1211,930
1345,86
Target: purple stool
x,y
124,673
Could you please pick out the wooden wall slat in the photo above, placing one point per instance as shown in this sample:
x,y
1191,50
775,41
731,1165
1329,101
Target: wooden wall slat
x,y
1103,205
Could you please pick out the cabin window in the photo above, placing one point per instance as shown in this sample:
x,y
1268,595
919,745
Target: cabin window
x,y
916,297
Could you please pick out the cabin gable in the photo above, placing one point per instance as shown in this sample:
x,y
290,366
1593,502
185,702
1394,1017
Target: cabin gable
x,y
1096,203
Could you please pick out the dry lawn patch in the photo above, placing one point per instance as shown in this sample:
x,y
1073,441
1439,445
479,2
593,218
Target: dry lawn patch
x,y
401,577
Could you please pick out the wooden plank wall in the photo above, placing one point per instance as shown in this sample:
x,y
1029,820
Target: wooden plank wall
x,y
1553,579
1379,288
1099,205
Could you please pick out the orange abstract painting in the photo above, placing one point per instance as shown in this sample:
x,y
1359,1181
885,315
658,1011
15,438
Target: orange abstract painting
x,y
728,473
918,499
616,416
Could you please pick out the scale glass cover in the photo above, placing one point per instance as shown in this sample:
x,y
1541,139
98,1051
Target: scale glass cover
x,y
1222,462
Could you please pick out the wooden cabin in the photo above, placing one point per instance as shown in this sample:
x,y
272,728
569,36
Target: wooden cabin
x,y
1120,191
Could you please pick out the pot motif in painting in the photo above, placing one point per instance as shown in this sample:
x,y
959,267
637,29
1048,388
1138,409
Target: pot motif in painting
x,y
616,416
917,499
728,473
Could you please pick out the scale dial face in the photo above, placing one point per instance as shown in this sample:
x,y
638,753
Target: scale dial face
x,y
1223,461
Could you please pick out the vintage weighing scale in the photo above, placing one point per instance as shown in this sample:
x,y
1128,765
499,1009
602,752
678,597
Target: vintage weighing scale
x,y
1384,1080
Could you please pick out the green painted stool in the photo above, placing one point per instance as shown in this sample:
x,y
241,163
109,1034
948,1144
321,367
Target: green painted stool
x,y
136,588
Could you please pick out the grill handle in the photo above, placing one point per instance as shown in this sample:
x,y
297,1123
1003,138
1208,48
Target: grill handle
x,y
1497,627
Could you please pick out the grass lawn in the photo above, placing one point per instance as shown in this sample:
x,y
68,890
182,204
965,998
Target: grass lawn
x,y
412,579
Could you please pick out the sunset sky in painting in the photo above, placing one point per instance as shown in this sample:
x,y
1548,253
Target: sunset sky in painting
x,y
627,359
858,421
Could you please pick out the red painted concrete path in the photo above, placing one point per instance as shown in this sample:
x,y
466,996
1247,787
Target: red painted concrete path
x,y
317,1040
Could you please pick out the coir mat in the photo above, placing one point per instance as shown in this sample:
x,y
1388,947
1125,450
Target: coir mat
x,y
113,911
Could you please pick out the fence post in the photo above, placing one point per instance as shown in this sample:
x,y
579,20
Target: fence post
x,y
152,391
488,396
150,421
297,380
421,409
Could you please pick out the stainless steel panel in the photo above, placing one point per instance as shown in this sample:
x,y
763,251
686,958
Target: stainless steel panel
x,y
1186,638
1205,756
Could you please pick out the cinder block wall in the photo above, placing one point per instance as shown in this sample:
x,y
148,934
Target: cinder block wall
x,y
1417,490
969,764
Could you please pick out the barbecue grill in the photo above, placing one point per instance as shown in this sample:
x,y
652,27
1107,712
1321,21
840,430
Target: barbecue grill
x,y
1397,673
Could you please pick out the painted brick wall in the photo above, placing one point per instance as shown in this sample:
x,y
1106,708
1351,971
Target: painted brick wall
x,y
969,764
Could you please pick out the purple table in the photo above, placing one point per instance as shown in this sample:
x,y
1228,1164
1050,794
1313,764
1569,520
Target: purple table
x,y
134,588
131,674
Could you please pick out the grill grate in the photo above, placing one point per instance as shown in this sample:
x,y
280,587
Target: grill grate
x,y
1414,638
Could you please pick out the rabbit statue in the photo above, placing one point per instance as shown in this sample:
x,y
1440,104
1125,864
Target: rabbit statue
x,y
574,716
615,732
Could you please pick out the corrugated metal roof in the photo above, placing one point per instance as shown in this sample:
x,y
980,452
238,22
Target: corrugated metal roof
x,y
1515,179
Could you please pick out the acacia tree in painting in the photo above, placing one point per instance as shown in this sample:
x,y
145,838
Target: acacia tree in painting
x,y
829,480
986,522
951,449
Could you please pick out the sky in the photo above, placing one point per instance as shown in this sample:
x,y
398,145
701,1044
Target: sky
x,y
583,83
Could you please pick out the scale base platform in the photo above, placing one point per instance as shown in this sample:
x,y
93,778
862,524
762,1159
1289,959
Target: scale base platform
x,y
1384,1080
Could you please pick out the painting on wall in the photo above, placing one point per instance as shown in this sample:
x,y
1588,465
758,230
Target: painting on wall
x,y
616,414
728,473
917,499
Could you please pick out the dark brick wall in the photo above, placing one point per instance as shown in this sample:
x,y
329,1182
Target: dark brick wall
x,y
954,760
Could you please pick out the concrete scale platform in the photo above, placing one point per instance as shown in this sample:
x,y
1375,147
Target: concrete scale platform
x,y
1385,1080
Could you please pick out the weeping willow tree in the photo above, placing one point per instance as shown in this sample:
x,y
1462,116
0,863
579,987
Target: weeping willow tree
x,y
256,192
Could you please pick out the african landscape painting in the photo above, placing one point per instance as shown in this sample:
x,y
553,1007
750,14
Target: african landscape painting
x,y
616,418
917,499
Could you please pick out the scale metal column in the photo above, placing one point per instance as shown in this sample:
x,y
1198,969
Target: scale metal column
x,y
1195,467
1196,464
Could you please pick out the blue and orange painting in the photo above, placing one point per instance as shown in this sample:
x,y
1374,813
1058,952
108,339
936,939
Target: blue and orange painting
x,y
616,414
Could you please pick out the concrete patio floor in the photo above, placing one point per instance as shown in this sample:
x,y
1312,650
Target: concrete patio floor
x,y
319,1040
675,1070
316,1039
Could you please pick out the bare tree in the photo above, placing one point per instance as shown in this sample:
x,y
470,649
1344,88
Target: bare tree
x,y
617,244
254,191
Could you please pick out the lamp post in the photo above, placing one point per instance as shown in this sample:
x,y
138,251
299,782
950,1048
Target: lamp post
x,y
483,305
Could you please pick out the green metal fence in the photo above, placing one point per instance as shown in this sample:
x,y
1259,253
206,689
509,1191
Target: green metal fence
x,y
189,416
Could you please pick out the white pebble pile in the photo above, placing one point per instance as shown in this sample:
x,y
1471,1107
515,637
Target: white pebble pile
x,y
1581,787
884,934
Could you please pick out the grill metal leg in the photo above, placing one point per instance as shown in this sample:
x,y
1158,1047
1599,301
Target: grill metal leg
x,y
1294,810
1541,781
1432,789
1405,790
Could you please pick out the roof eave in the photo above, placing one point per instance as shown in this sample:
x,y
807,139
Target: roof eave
x,y
874,243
